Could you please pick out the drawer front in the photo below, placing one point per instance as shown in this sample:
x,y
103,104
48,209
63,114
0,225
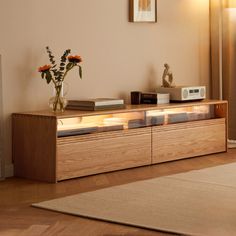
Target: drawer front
x,y
96,153
177,141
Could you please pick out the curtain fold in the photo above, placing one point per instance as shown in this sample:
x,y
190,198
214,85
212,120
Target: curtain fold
x,y
223,58
1,125
216,48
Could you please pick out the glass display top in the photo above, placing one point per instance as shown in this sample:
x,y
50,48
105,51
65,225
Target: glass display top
x,y
134,119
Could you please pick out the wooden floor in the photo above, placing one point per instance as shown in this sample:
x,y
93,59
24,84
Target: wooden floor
x,y
17,217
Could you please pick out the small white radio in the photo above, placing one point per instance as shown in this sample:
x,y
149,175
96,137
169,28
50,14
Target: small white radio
x,y
184,93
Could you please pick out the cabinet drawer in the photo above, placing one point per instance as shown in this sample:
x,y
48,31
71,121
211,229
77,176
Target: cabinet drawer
x,y
189,139
102,152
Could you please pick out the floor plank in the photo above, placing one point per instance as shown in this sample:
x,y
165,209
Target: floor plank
x,y
17,217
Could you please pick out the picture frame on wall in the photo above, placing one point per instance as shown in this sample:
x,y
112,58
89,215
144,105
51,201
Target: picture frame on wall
x,y
143,10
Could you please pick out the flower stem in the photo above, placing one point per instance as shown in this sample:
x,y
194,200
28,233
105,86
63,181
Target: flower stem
x,y
58,103
66,72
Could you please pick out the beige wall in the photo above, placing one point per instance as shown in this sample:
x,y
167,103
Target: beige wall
x,y
119,56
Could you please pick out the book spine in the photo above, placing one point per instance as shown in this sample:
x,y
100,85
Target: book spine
x,y
94,108
88,103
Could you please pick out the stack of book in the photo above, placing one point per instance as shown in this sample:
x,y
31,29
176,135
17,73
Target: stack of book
x,y
96,104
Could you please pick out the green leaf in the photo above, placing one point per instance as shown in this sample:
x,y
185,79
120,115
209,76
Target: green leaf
x,y
69,65
48,77
80,72
51,57
64,56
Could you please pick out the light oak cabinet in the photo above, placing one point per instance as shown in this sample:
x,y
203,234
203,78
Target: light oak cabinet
x,y
102,152
178,141
54,147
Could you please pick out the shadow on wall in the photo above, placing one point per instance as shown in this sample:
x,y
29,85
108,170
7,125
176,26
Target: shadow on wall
x,y
152,80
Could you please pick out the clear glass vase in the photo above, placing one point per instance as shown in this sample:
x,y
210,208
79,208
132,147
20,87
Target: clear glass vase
x,y
58,102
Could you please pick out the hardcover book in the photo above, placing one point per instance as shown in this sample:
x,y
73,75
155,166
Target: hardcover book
x,y
96,102
95,108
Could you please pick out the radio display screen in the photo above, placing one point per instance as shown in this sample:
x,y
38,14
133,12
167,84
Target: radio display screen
x,y
194,91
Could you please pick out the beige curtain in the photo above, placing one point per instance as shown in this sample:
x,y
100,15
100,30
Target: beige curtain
x,y
223,58
216,52
1,125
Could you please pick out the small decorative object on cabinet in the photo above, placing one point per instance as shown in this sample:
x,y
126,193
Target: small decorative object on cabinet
x,y
53,147
57,75
167,77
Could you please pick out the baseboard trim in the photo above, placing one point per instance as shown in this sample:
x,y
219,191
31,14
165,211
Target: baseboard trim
x,y
9,170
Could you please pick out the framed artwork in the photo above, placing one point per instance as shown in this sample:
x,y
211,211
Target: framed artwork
x,y
142,10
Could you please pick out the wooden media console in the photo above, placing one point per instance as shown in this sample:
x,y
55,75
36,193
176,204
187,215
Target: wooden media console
x,y
54,147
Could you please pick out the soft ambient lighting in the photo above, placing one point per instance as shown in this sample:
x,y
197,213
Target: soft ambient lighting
x,y
231,4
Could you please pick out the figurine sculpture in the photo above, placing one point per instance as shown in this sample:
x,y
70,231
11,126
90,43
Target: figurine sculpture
x,y
167,77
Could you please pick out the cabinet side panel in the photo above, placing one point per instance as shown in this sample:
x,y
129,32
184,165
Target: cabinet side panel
x,y
190,139
102,153
34,147
221,111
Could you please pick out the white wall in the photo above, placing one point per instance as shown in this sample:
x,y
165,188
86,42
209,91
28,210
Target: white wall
x,y
119,56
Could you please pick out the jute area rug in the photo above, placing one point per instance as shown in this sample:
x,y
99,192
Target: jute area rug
x,y
201,202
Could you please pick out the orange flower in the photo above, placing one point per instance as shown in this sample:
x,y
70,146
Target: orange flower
x,y
75,59
44,68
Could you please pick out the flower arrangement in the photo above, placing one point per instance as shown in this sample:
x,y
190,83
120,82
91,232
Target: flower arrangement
x,y
56,75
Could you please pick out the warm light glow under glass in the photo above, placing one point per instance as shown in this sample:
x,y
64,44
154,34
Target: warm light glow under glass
x,y
120,121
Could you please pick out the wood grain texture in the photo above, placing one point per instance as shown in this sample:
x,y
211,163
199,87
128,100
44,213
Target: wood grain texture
x,y
103,152
188,139
128,108
34,147
221,111
39,154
